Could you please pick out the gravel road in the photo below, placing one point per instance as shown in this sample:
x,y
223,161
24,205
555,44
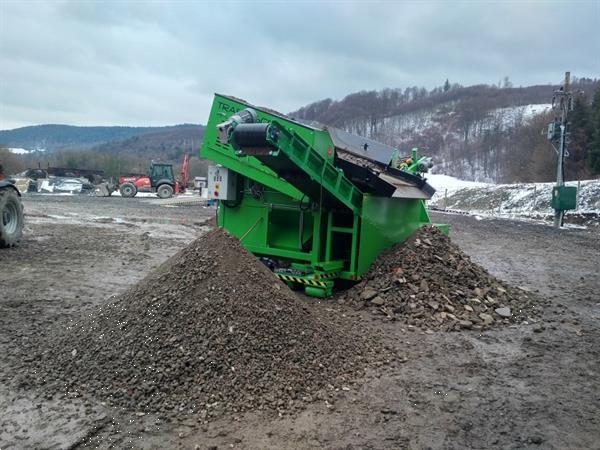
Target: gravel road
x,y
529,385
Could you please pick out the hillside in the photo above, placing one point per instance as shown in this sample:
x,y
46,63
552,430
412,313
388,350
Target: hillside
x,y
65,137
168,144
482,133
516,201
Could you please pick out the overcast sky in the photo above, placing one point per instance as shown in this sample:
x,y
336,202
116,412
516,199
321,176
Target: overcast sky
x,y
159,63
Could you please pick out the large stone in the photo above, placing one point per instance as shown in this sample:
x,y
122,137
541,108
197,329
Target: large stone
x,y
368,294
487,318
377,301
503,312
466,324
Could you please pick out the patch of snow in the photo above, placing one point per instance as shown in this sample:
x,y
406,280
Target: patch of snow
x,y
138,195
514,114
19,151
24,151
442,182
188,193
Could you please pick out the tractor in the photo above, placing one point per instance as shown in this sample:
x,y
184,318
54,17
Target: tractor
x,y
11,213
161,180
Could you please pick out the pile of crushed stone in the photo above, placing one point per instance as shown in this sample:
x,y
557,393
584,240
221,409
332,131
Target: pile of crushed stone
x,y
210,331
429,283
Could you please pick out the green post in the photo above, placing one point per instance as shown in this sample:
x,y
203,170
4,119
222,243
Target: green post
x,y
329,236
316,250
354,251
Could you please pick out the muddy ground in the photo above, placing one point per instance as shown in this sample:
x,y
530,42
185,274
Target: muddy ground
x,y
532,385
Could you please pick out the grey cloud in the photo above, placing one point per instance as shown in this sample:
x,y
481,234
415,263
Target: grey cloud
x,y
142,63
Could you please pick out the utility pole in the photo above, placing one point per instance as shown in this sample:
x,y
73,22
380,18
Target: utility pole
x,y
558,134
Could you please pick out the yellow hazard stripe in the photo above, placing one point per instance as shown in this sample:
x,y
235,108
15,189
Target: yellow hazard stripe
x,y
325,275
301,280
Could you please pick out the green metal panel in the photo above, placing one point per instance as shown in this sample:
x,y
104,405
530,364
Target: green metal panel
x,y
443,227
385,222
222,109
564,197
274,221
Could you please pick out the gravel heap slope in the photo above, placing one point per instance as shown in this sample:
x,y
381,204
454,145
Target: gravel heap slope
x,y
209,331
429,283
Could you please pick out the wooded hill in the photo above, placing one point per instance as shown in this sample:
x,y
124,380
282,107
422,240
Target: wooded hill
x,y
169,144
484,133
68,137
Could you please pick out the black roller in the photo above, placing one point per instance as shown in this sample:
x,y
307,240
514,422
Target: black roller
x,y
251,135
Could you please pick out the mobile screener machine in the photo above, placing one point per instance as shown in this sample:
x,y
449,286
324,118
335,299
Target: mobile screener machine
x,y
317,205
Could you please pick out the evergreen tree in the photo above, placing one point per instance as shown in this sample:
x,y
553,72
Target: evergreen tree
x,y
447,85
594,134
578,135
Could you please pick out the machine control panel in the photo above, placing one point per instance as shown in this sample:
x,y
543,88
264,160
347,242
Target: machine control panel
x,y
222,183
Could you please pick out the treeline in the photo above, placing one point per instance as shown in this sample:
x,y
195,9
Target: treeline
x,y
112,165
169,144
584,133
374,106
11,163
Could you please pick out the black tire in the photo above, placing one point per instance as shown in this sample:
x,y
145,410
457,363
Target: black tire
x,y
164,191
128,190
11,218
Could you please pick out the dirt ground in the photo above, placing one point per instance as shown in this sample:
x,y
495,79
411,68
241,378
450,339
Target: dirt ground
x,y
532,385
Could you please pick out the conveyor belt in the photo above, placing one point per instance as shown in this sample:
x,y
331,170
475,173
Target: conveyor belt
x,y
289,155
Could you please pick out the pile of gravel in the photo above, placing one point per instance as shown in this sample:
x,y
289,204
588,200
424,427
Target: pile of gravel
x,y
429,283
209,331
363,162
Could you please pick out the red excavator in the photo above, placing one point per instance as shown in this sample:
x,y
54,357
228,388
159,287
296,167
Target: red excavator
x,y
160,180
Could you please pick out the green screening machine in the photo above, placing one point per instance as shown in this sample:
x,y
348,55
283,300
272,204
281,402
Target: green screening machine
x,y
316,204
